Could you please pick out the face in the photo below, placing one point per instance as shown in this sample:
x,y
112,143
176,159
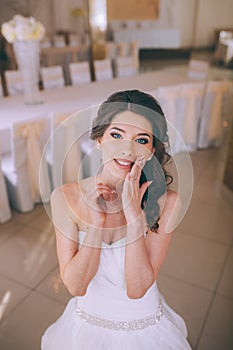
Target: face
x,y
128,137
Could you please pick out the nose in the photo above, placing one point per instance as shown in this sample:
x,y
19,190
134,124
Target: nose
x,y
127,148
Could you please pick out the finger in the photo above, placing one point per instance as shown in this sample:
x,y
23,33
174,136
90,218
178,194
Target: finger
x,y
105,188
137,167
144,187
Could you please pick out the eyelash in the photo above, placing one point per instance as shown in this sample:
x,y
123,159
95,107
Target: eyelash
x,y
141,140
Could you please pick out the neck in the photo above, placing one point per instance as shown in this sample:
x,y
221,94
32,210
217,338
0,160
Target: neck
x,y
107,178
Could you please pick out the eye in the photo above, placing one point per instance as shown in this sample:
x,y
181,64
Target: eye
x,y
142,141
115,135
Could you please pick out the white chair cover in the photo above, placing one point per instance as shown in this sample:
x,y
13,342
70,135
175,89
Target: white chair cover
x,y
46,42
190,104
134,52
74,39
62,154
198,69
59,41
79,73
168,98
111,50
71,155
1,90
210,132
122,49
25,172
5,212
125,66
14,82
52,77
103,69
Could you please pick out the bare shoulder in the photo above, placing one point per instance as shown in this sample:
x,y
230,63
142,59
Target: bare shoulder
x,y
71,197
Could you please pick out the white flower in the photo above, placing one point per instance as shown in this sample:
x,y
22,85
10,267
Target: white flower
x,y
23,28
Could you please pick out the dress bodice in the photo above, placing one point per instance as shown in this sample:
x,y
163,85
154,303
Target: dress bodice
x,y
106,295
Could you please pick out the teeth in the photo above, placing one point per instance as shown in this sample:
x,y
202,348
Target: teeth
x,y
123,163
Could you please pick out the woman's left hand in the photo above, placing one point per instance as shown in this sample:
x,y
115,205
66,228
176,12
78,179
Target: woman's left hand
x,y
132,194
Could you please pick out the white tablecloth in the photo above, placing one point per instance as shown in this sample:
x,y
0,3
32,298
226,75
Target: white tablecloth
x,y
72,98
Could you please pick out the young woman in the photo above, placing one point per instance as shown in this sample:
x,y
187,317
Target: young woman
x,y
113,231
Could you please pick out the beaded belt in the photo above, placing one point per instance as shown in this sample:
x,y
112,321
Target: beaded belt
x,y
133,325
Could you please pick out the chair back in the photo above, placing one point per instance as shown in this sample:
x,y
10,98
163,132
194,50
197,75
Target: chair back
x,y
59,41
79,73
5,212
189,112
168,98
69,148
14,82
52,77
103,69
198,69
210,131
125,66
74,39
27,142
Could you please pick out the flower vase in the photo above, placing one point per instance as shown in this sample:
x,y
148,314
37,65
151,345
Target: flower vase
x,y
28,61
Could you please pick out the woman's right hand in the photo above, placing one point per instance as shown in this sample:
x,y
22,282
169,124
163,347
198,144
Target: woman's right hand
x,y
96,203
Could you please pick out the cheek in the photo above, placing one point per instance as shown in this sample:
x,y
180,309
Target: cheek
x,y
113,149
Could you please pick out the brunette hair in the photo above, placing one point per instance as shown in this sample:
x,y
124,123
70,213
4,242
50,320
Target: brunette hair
x,y
154,170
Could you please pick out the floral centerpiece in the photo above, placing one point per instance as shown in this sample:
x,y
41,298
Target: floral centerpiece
x,y
25,34
23,28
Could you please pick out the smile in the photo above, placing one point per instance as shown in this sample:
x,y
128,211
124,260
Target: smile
x,y
124,163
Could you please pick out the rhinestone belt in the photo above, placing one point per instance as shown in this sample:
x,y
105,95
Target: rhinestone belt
x,y
133,325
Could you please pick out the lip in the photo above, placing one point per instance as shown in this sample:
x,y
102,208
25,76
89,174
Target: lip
x,y
123,163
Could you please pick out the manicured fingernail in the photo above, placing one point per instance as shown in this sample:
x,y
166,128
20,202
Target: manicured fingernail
x,y
149,183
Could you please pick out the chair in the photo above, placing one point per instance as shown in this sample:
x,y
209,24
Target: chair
x,y
52,77
168,98
122,49
14,82
69,147
5,212
198,69
210,130
111,50
59,41
125,66
189,112
1,88
25,172
134,52
74,39
103,69
79,73
46,42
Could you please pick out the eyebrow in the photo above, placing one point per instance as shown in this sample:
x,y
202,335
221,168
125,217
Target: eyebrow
x,y
140,134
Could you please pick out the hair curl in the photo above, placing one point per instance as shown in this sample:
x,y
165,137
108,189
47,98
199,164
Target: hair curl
x,y
154,170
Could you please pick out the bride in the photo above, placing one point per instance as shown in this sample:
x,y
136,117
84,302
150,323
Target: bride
x,y
113,231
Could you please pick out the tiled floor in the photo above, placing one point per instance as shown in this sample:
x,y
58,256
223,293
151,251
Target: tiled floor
x,y
196,278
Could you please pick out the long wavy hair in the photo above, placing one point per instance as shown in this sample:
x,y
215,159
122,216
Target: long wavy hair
x,y
154,170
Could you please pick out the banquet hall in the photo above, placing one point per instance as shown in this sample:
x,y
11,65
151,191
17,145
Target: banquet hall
x,y
52,82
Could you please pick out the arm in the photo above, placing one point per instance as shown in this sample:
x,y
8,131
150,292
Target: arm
x,y
77,267
144,257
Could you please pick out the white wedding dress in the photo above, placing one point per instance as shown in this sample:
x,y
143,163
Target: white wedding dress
x,y
106,319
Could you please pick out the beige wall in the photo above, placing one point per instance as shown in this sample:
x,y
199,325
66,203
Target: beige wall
x,y
132,10
196,19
